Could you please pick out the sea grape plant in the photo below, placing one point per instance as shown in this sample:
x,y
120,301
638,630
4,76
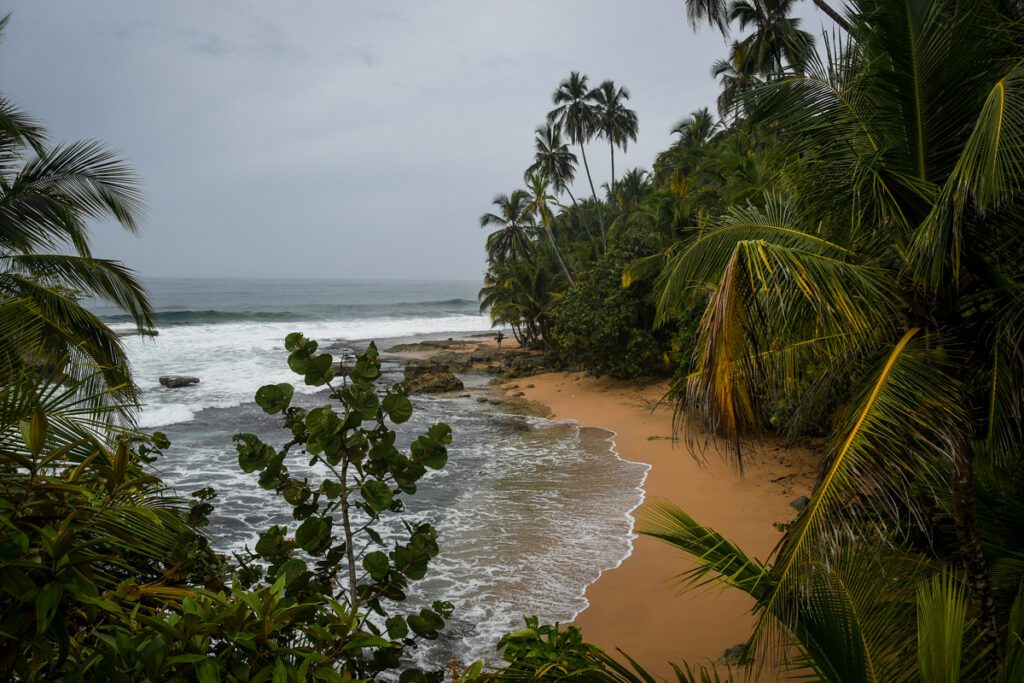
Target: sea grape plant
x,y
337,552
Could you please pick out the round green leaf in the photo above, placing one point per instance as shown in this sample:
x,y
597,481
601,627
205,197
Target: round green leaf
x,y
314,534
398,407
377,494
273,398
376,563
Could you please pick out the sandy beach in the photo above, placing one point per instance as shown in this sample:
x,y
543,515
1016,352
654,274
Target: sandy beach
x,y
637,606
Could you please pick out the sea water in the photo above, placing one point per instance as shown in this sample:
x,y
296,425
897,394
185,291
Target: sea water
x,y
529,511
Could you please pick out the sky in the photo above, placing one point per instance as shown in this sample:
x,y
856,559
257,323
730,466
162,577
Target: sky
x,y
337,139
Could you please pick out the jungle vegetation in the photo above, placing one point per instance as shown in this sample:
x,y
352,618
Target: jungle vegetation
x,y
839,252
837,247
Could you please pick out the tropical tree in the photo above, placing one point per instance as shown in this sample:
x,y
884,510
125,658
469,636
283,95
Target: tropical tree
x,y
513,240
777,41
539,204
613,120
718,14
736,76
574,115
48,196
890,275
697,129
553,161
522,294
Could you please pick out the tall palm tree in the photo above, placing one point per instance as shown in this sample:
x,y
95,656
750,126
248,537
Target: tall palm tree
x,y
574,115
539,203
891,274
717,14
552,160
777,41
513,240
613,120
48,196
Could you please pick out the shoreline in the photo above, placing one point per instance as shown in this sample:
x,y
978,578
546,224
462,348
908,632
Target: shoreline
x,y
630,517
635,605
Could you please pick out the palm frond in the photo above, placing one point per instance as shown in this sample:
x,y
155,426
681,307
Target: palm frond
x,y
910,408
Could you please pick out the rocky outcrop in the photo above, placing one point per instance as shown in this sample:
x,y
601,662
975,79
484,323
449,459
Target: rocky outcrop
x,y
175,381
430,345
455,361
431,378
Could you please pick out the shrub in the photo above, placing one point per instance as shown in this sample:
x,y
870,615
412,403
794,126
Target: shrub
x,y
608,330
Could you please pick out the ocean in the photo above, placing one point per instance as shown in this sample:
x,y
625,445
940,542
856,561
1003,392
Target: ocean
x,y
529,511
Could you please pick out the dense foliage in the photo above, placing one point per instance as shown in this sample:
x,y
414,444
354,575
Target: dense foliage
x,y
847,239
601,326
103,574
838,250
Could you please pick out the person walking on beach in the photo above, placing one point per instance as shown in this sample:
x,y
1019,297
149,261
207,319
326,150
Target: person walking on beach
x,y
499,337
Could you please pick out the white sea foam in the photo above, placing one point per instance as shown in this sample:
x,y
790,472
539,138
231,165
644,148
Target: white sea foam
x,y
529,511
232,360
161,416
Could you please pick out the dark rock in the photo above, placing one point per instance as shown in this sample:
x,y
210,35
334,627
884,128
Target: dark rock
x,y
175,381
340,368
800,503
430,345
481,399
431,378
456,361
519,393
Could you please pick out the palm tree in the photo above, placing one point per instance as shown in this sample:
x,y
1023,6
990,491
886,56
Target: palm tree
x,y
552,160
777,40
539,204
697,129
737,77
613,121
891,274
513,240
48,195
717,13
868,614
519,293
574,115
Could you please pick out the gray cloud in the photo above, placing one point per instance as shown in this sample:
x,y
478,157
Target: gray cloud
x,y
336,138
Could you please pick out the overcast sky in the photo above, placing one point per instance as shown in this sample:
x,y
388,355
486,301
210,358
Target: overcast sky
x,y
337,139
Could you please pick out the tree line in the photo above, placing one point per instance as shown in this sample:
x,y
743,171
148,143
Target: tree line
x,y
836,253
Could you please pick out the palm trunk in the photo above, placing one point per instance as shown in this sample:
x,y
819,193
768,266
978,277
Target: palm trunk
x,y
973,556
558,252
834,16
593,192
576,206
611,146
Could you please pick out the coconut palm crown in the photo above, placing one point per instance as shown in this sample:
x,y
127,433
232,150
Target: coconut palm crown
x,y
48,196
